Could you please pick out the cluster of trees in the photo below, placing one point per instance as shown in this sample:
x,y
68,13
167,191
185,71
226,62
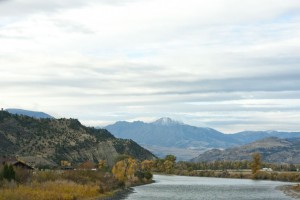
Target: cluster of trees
x,y
129,171
216,165
166,165
255,164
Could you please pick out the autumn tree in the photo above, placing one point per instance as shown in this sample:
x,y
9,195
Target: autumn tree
x,y
119,170
147,165
102,164
125,169
169,163
256,162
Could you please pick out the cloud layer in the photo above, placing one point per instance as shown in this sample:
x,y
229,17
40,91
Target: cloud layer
x,y
228,65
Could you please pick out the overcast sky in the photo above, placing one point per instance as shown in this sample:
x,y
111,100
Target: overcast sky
x,y
231,65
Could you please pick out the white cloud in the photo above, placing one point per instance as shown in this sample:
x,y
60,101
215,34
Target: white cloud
x,y
104,61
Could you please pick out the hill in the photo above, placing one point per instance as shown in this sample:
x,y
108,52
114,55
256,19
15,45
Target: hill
x,y
29,113
62,139
272,150
246,137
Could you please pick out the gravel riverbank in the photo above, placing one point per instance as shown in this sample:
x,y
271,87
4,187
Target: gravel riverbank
x,y
289,191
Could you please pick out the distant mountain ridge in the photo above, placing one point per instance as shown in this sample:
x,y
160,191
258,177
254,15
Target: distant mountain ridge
x,y
38,115
167,136
62,139
272,150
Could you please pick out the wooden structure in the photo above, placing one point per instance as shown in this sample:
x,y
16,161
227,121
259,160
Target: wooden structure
x,y
15,163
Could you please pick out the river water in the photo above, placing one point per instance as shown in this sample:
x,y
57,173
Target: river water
x,y
188,188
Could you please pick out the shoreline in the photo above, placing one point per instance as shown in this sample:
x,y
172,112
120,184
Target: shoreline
x,y
123,193
119,194
288,190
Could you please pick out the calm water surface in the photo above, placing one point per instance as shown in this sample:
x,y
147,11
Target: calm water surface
x,y
183,188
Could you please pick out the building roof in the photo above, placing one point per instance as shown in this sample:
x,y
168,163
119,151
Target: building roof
x,y
14,161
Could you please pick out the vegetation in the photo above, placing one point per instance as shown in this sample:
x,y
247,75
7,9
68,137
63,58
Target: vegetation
x,y
7,173
229,169
166,165
72,184
131,172
256,163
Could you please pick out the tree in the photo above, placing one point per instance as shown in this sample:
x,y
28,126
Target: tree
x,y
125,169
169,163
102,164
147,165
171,158
256,162
9,172
119,170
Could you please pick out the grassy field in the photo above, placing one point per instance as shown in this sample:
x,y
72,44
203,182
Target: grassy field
x,y
59,185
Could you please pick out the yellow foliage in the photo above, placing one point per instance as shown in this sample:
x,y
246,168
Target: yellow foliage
x,y
119,170
169,165
147,165
125,169
102,164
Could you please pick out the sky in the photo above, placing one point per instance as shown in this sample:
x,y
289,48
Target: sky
x,y
226,64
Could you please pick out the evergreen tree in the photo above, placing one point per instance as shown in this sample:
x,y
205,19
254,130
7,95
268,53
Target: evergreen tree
x,y
12,173
9,172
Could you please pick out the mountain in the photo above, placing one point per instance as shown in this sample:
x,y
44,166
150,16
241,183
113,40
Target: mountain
x,y
246,137
62,139
39,115
272,150
165,136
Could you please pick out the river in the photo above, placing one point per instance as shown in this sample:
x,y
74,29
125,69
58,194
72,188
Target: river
x,y
201,188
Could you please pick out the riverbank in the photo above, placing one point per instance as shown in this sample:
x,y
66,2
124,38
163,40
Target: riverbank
x,y
290,190
123,193
119,194
242,174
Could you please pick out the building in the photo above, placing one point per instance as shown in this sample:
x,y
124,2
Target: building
x,y
267,169
87,165
14,162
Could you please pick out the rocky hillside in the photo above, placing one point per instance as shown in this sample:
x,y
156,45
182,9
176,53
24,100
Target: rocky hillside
x,y
272,150
62,139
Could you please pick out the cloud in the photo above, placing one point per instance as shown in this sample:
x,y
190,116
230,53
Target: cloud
x,y
229,64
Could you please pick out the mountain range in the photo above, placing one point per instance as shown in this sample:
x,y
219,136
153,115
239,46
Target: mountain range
x,y
39,115
54,140
166,136
272,150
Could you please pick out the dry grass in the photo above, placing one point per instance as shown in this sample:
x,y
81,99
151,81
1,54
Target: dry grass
x,y
58,185
51,190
